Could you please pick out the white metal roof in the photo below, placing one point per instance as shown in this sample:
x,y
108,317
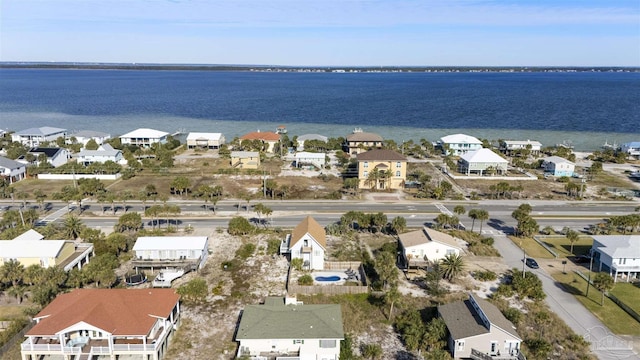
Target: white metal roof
x,y
619,246
460,139
29,235
483,156
41,131
523,142
309,155
145,133
10,249
170,243
244,154
204,135
556,160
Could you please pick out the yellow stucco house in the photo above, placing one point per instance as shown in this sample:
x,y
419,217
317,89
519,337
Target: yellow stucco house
x,y
381,169
30,248
245,159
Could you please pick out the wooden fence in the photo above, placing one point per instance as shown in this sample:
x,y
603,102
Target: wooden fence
x,y
18,337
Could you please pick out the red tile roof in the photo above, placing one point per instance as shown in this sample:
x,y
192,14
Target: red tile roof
x,y
257,135
117,311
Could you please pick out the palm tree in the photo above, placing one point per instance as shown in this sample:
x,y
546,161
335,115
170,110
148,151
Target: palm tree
x,y
572,236
452,265
459,210
442,220
473,214
603,282
73,227
12,272
482,215
391,297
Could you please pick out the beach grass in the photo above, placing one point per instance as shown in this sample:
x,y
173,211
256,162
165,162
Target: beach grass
x,y
616,319
10,312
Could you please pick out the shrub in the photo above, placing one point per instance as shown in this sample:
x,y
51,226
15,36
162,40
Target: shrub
x,y
485,275
273,246
246,251
305,279
512,314
194,291
296,264
487,241
240,226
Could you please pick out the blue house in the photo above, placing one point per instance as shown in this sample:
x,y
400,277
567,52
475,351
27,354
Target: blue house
x,y
557,166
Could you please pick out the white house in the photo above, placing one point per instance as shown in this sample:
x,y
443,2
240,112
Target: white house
x,y
302,138
481,161
55,156
426,245
557,166
205,140
106,324
308,158
12,170
509,146
144,137
458,144
631,148
617,254
33,137
287,329
83,136
478,330
104,153
308,242
171,251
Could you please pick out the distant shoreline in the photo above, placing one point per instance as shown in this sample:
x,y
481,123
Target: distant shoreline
x,y
331,69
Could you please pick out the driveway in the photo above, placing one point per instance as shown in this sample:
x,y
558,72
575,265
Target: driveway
x,y
604,344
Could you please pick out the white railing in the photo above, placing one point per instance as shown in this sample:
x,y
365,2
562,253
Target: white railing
x,y
40,347
133,347
100,350
67,350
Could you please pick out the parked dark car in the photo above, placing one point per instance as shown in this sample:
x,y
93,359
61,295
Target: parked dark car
x,y
581,259
531,263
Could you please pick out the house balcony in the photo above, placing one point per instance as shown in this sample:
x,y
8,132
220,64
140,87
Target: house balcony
x,y
185,264
306,249
479,355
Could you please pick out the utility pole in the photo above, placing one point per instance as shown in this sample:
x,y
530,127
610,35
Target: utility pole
x,y
589,279
524,260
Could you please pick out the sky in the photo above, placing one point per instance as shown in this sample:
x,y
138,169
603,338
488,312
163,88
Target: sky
x,y
324,32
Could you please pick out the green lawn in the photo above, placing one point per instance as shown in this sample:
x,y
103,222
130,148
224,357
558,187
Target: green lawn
x,y
629,294
532,248
616,319
562,245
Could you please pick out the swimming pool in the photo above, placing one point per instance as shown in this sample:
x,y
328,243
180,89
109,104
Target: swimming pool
x,y
329,277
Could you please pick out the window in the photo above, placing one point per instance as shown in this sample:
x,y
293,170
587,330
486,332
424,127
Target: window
x,y
460,345
327,344
298,342
365,173
365,164
398,164
397,173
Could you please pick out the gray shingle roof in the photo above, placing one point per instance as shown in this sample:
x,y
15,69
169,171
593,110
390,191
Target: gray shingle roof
x,y
464,321
380,154
45,130
275,320
10,164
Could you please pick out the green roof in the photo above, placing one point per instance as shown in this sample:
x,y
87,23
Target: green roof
x,y
275,320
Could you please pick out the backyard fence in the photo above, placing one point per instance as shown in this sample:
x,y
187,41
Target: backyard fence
x,y
617,301
15,338
329,289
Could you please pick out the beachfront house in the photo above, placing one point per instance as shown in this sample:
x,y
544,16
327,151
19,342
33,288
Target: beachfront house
x,y
311,138
359,142
482,161
458,144
512,147
425,246
478,330
288,329
268,139
30,248
307,241
631,149
144,137
557,166
104,153
105,324
245,159
12,170
54,156
205,140
617,254
381,169
308,158
33,137
83,137
179,252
